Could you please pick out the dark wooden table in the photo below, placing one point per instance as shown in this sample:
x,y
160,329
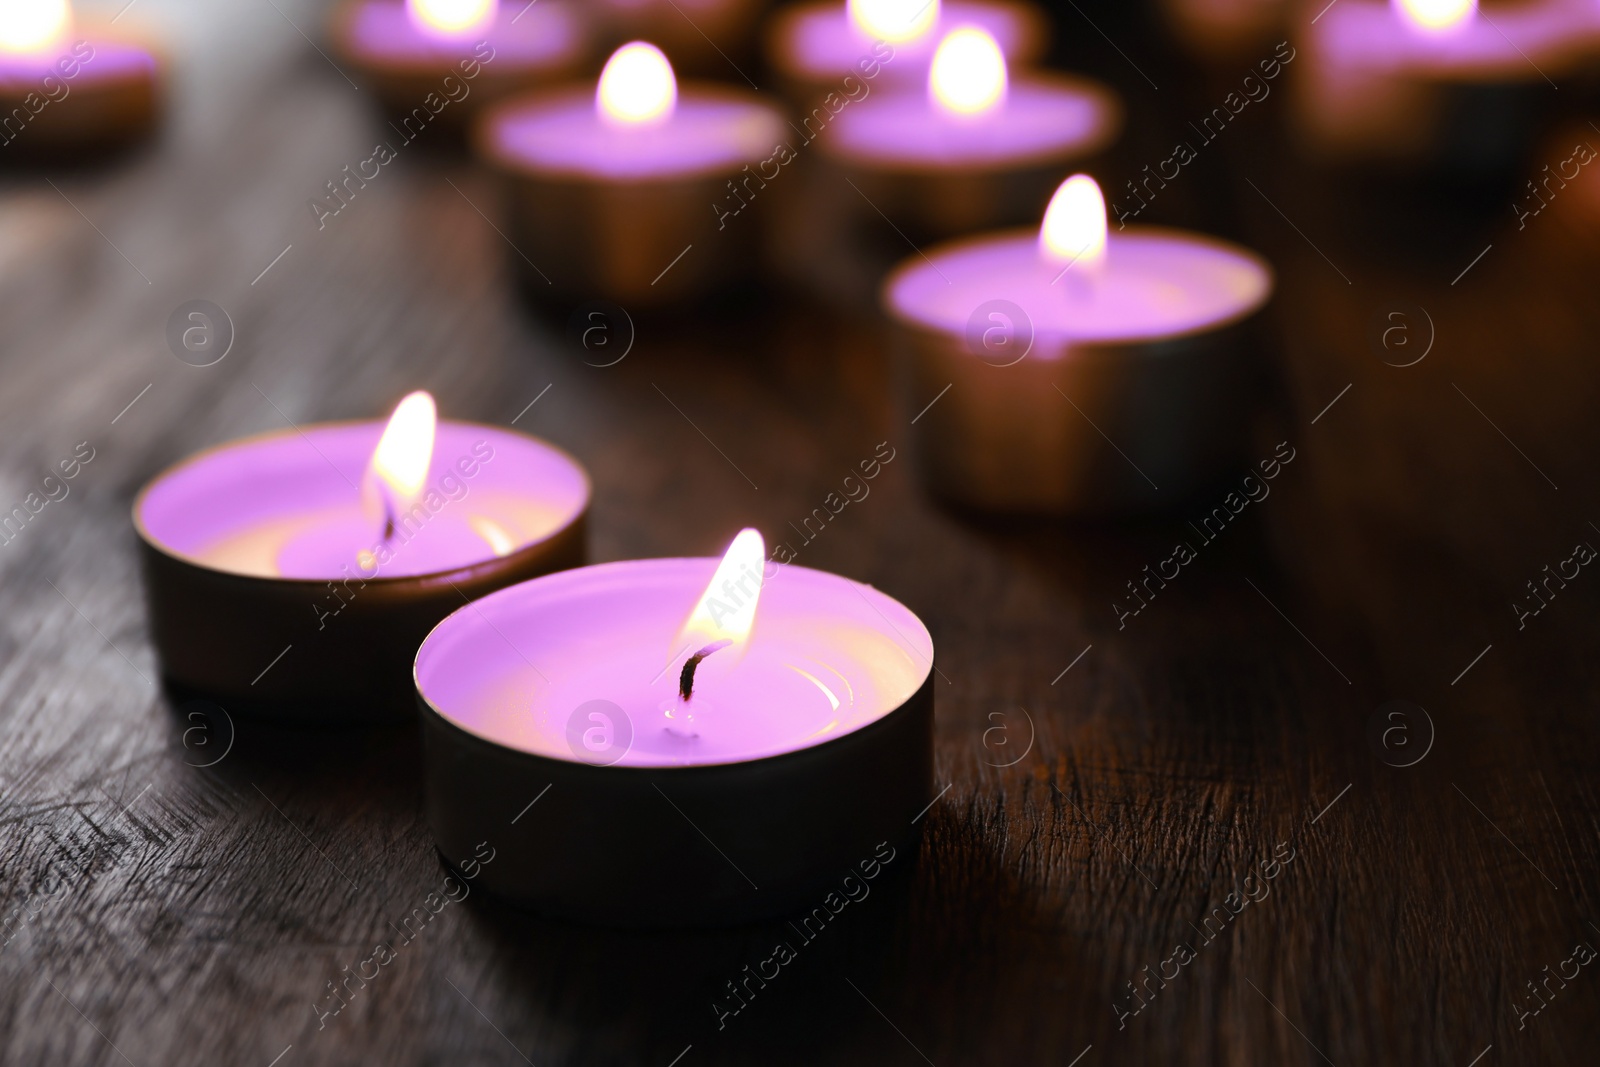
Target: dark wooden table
x,y
160,912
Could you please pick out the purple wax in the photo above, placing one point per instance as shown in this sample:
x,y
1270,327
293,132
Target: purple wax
x,y
709,131
289,504
521,667
109,61
1040,118
1154,284
1508,45
541,34
819,42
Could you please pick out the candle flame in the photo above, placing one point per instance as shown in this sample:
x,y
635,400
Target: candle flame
x,y
727,609
33,25
399,466
1074,229
452,18
637,86
895,21
1437,16
968,74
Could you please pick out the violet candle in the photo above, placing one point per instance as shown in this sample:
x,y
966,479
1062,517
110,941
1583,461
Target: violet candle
x,y
296,572
1434,84
814,45
65,93
405,49
697,759
613,190
973,148
1068,370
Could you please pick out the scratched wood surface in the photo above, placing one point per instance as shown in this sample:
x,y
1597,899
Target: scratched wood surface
x,y
1108,789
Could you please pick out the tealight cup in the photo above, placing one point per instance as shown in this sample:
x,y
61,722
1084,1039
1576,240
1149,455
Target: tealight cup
x,y
66,92
1035,382
271,589
1435,88
974,149
452,58
613,194
548,711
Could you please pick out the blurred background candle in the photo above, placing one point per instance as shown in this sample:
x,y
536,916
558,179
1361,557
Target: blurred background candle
x,y
788,712
1436,86
405,49
613,190
1076,371
974,147
814,45
295,573
67,89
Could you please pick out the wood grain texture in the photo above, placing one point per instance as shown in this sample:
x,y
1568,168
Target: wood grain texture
x,y
157,912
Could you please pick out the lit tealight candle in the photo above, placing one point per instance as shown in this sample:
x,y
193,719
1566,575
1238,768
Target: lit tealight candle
x,y
1075,369
613,189
973,119
338,546
64,92
815,45
785,714
449,58
977,148
1434,86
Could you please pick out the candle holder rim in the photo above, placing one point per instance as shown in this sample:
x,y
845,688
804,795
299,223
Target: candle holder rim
x,y
428,707
912,263
380,581
486,147
572,574
1107,131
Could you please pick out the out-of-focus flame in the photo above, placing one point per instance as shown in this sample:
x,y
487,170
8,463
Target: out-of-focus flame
x,y
452,18
399,466
637,86
493,533
727,609
1074,229
968,74
33,25
895,21
1436,16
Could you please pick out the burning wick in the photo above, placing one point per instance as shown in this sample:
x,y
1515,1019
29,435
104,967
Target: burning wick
x,y
395,478
686,678
723,617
